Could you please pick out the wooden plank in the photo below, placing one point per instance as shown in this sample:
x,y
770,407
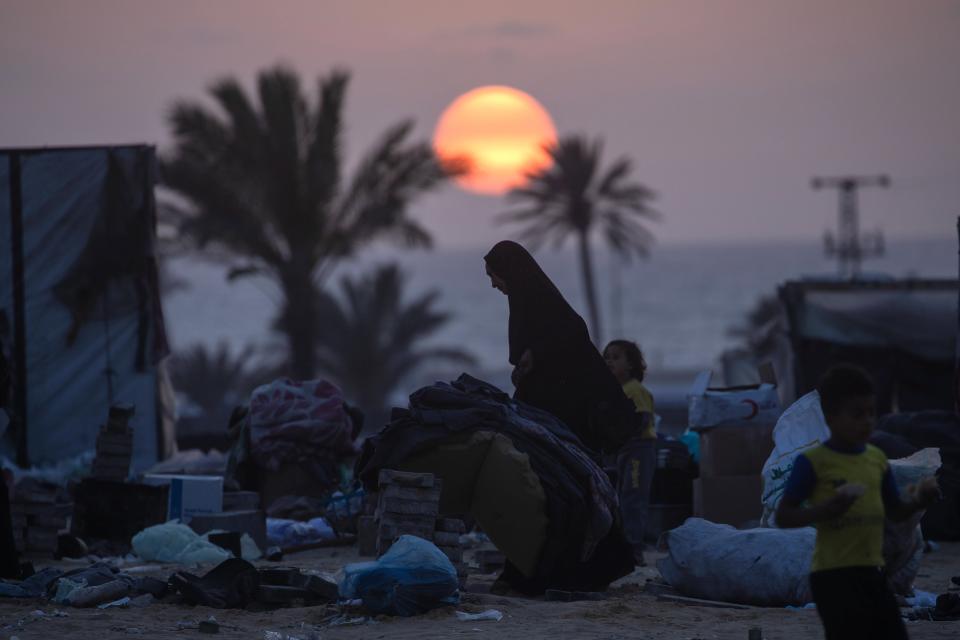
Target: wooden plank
x,y
702,603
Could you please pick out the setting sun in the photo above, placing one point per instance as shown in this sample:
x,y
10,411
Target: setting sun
x,y
501,133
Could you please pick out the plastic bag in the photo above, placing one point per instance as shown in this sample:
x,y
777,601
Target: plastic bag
x,y
801,427
414,576
766,567
903,541
291,533
175,542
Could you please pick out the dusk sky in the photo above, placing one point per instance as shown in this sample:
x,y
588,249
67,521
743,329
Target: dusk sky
x,y
727,108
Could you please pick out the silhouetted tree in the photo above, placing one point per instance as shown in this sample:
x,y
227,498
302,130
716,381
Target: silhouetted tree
x,y
574,197
264,190
375,338
214,379
763,326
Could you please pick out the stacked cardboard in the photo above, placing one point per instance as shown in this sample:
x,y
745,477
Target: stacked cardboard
x,y
114,445
736,437
40,511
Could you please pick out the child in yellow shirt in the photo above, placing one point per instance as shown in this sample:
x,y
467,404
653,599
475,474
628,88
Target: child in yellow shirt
x,y
845,489
637,458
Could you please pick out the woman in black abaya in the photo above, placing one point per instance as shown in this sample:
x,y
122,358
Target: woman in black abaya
x,y
558,369
556,366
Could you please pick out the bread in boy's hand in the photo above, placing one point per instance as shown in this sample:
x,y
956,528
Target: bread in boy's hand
x,y
851,490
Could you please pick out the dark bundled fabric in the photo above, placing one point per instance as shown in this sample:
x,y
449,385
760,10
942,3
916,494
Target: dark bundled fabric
x,y
585,548
569,377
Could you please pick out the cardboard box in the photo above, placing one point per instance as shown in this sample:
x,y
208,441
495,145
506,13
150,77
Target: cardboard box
x,y
738,450
732,500
190,495
713,406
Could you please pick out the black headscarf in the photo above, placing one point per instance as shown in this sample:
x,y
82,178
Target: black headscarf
x,y
569,377
539,314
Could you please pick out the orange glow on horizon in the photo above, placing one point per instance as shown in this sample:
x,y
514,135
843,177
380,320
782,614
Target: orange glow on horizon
x,y
501,133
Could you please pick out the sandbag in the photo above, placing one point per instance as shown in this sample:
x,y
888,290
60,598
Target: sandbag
x,y
413,577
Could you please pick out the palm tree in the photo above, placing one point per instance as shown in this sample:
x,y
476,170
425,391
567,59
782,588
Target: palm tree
x,y
374,341
573,196
265,193
762,327
214,379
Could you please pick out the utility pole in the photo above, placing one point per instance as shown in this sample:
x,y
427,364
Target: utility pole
x,y
849,247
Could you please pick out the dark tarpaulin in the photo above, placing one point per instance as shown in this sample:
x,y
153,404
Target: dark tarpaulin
x,y
584,548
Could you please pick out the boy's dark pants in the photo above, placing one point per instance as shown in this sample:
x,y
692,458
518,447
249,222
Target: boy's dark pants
x,y
856,602
635,465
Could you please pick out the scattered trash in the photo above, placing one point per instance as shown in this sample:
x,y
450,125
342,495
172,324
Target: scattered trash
x,y
277,635
33,587
291,533
143,600
344,620
231,584
274,554
95,595
557,595
122,603
65,587
489,614
922,599
210,625
414,576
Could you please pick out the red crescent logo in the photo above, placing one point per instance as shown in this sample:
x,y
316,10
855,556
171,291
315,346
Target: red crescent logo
x,y
754,409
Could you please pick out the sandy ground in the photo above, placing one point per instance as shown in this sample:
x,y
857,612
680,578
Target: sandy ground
x,y
628,613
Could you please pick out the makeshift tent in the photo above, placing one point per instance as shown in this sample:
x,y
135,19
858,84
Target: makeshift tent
x,y
903,332
79,295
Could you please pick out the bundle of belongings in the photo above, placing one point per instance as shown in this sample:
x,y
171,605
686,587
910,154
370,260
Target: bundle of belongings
x,y
291,439
520,473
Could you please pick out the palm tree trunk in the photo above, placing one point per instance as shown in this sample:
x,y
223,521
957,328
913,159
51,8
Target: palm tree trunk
x,y
300,324
586,268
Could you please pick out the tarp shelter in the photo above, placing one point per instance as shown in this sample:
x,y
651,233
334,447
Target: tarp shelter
x,y
903,332
79,297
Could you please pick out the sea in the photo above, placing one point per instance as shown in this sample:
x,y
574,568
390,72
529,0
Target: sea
x,y
679,304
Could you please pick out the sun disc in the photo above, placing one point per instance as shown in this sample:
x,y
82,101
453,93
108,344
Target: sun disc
x,y
500,132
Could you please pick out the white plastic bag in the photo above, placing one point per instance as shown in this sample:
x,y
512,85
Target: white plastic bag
x,y
903,541
766,567
802,426
176,542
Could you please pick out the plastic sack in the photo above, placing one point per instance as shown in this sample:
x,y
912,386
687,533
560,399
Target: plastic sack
x,y
799,428
175,542
413,577
178,543
903,541
291,533
766,567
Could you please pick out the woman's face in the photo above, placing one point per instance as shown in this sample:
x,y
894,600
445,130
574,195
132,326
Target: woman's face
x,y
496,281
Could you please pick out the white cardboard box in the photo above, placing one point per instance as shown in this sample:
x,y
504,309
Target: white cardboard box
x,y
752,404
190,495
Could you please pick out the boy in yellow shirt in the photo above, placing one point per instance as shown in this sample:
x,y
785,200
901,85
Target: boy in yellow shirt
x,y
845,488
